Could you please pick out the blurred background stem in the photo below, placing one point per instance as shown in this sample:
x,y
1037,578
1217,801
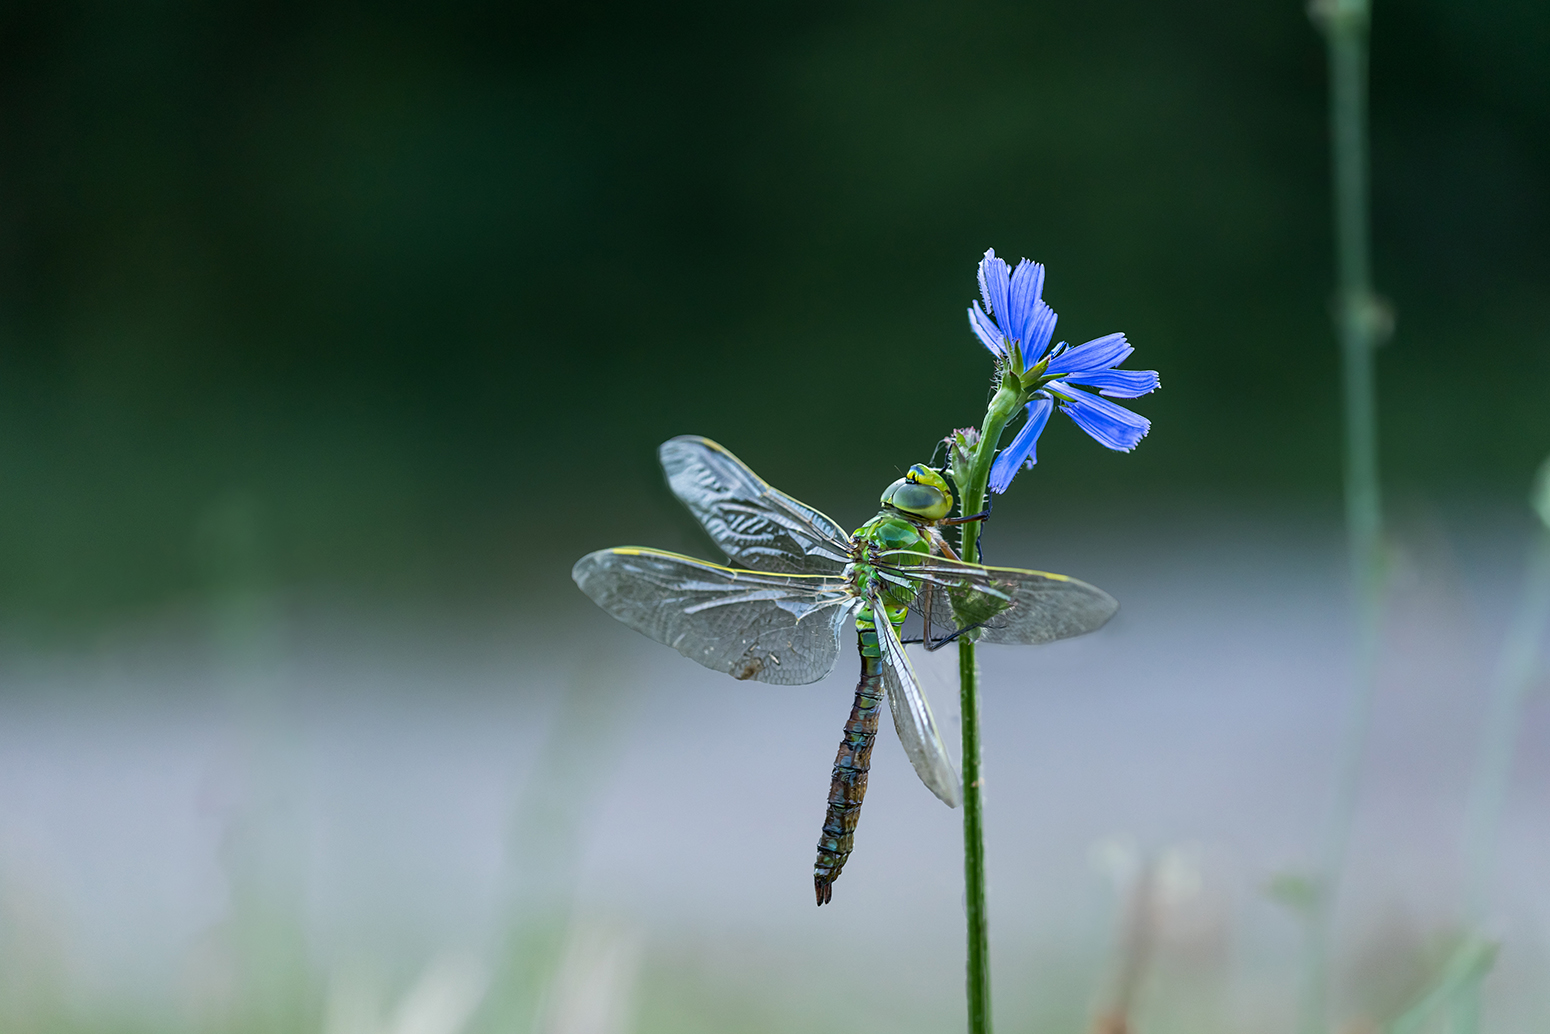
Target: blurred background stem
x,y
1515,676
1513,684
1359,318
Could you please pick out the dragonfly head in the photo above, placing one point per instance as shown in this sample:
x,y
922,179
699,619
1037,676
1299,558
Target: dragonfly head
x,y
920,493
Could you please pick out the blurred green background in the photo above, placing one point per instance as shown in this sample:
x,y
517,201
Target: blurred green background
x,y
422,285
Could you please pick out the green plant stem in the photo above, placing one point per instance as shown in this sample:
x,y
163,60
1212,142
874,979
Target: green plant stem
x,y
977,983
1345,25
1003,407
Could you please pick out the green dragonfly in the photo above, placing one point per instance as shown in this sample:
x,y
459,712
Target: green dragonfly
x,y
779,615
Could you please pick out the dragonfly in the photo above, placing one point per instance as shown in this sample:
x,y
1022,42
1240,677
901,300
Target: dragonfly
x,y
778,610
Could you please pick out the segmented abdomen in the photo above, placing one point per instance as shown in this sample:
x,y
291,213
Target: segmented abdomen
x,y
851,764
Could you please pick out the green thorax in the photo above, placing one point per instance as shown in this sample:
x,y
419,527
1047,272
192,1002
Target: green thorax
x,y
886,531
889,531
918,499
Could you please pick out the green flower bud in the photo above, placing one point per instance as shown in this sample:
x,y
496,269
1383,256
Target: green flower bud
x,y
961,445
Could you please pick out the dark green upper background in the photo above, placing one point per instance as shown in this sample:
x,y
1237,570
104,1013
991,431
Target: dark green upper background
x,y
404,285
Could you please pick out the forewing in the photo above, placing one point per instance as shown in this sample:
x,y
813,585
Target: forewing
x,y
912,717
780,629
754,524
1009,605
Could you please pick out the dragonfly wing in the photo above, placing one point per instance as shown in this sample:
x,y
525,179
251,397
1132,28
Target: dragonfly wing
x,y
754,524
780,629
912,717
1009,605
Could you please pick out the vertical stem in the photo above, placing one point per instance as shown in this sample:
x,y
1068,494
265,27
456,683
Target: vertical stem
x,y
1345,24
1003,407
978,979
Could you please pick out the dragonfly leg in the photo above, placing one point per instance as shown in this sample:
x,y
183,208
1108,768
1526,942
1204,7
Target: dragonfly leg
x,y
925,639
983,515
937,644
847,788
939,543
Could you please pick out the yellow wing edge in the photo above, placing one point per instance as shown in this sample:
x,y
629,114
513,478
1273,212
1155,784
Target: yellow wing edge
x,y
966,565
649,551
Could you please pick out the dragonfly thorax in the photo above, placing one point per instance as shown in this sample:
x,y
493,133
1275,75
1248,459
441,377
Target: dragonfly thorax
x,y
886,543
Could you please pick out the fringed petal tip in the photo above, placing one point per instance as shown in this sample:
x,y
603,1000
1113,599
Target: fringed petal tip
x,y
1021,453
986,330
1119,384
1002,471
995,287
1110,425
985,263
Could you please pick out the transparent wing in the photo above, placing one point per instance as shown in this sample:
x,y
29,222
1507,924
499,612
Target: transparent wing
x,y
780,629
754,524
912,717
1011,606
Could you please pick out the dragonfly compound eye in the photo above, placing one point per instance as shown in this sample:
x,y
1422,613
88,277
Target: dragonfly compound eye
x,y
918,500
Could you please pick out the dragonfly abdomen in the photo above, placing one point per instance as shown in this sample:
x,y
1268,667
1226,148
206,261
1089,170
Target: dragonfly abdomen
x,y
847,788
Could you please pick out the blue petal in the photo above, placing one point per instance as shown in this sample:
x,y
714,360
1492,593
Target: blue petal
x,y
986,330
1110,425
1119,384
1021,452
1098,354
980,272
1040,329
994,286
1027,286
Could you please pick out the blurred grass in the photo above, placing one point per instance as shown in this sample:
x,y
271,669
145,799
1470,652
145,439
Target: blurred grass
x,y
261,970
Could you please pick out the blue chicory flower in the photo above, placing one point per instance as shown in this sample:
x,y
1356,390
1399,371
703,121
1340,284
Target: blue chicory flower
x,y
1015,312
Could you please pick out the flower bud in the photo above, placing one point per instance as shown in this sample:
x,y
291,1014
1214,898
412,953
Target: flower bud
x,y
961,446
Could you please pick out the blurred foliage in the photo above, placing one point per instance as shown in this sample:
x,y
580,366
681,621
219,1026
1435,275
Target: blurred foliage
x,y
423,280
